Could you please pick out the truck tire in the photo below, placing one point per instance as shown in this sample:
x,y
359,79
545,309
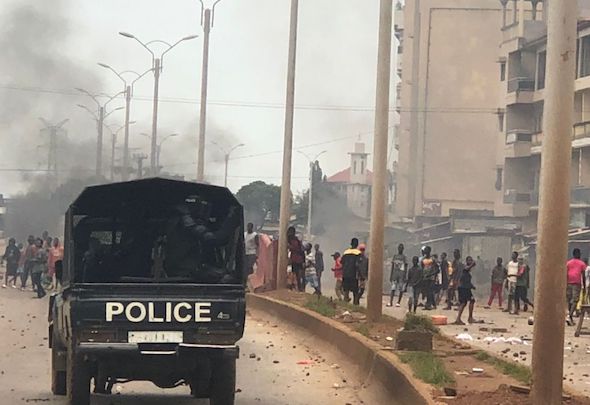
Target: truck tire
x,y
58,374
223,382
78,379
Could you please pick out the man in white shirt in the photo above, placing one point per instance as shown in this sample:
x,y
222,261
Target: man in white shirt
x,y
512,273
251,243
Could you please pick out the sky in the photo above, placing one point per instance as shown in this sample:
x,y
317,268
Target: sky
x,y
55,46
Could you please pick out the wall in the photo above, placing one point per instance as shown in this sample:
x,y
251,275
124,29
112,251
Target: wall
x,y
449,92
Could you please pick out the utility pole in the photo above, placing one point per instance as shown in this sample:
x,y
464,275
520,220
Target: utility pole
x,y
204,84
285,212
154,149
99,140
380,184
226,157
554,207
125,172
52,157
139,157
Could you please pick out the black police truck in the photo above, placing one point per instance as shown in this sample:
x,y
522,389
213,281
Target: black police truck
x,y
153,290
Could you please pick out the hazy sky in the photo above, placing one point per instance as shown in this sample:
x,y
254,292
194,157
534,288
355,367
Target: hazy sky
x,y
335,79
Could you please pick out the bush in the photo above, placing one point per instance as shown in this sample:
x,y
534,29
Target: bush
x,y
419,323
427,367
321,305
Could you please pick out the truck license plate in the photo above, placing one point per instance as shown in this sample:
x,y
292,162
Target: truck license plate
x,y
155,337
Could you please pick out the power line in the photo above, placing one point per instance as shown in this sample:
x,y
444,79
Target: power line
x,y
268,105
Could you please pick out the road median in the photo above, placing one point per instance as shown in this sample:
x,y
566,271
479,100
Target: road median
x,y
373,360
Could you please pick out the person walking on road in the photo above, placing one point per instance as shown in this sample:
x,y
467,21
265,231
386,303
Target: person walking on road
x,y
429,273
11,257
398,275
251,242
443,277
311,276
27,261
498,278
337,270
522,287
414,284
319,263
350,272
297,257
363,270
39,267
455,272
575,282
56,253
465,292
511,279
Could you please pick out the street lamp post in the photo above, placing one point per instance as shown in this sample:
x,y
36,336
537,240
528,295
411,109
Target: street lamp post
x,y
114,135
226,156
157,62
99,121
309,204
207,18
160,148
128,90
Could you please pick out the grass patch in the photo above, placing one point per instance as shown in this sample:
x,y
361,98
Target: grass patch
x,y
350,307
363,329
419,323
321,305
427,367
516,371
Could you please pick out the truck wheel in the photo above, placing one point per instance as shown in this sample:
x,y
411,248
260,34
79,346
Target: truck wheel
x,y
78,379
58,374
223,382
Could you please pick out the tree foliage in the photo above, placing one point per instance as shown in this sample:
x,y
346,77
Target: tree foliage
x,y
260,201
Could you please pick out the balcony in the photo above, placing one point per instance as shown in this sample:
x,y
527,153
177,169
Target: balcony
x,y
580,137
582,130
518,144
517,202
521,84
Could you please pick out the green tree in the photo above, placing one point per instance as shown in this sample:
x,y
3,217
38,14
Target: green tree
x,y
261,201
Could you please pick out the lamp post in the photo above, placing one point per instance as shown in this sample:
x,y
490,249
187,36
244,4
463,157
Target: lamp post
x,y
160,148
309,204
114,134
128,90
207,19
157,62
99,118
227,154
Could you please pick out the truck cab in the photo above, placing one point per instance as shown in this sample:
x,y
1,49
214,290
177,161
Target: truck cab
x,y
152,290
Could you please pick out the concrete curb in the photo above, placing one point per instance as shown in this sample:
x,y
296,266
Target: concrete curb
x,y
372,360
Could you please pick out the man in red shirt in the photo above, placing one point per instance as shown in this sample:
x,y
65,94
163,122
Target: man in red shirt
x,y
575,281
337,269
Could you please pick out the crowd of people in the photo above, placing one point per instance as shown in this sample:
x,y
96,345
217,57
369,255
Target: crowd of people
x,y
41,261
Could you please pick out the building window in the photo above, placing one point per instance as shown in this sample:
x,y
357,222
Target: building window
x,y
501,115
498,184
502,71
354,167
541,65
362,167
585,57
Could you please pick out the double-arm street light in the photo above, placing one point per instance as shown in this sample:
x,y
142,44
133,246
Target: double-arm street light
x,y
115,130
99,116
207,19
157,62
128,90
227,154
310,197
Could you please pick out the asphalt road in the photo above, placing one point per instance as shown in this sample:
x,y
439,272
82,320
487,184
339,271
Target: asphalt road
x,y
274,379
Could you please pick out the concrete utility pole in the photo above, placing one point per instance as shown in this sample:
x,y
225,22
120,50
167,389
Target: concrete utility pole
x,y
380,183
207,18
554,209
139,157
283,259
52,158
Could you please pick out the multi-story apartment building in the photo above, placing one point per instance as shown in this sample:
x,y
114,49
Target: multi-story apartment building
x,y
449,92
521,71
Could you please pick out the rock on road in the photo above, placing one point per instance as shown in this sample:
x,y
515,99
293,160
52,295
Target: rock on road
x,y
273,377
